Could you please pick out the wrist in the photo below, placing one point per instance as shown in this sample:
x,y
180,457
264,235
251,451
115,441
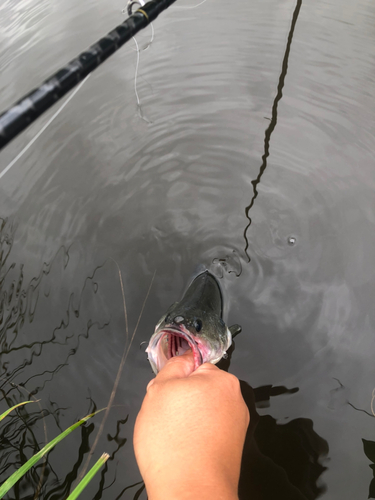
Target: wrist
x,y
191,490
190,482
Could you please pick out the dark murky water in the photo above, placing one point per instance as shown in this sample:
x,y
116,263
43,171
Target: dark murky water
x,y
257,162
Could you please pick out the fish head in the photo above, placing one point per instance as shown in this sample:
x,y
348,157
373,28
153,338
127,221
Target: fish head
x,y
193,323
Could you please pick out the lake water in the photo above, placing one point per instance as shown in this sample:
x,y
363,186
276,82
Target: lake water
x,y
252,156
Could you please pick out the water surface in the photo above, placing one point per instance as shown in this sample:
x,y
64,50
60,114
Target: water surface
x,y
254,159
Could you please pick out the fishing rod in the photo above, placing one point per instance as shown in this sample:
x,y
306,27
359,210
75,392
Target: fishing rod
x,y
25,111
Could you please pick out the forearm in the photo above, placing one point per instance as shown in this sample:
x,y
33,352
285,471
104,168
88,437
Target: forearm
x,y
190,469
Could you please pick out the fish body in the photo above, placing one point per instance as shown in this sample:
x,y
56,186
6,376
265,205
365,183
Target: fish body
x,y
193,323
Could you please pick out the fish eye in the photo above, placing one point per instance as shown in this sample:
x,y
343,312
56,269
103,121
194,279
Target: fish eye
x,y
198,325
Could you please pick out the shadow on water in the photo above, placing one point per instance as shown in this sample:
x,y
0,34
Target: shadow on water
x,y
273,122
279,460
369,449
369,446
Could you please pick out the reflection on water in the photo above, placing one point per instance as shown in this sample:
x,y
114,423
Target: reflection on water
x,y
280,460
19,442
43,359
172,196
230,263
273,122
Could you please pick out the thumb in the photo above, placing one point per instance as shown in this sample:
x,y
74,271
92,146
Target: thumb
x,y
177,367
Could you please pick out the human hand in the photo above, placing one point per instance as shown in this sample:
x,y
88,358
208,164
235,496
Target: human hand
x,y
190,431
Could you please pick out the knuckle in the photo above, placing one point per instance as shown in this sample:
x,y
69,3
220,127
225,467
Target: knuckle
x,y
234,382
151,385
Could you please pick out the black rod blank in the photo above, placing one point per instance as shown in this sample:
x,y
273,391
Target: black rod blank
x,y
30,107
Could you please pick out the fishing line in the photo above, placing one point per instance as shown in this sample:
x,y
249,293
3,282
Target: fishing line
x,y
129,11
55,115
27,147
135,80
138,50
119,372
190,6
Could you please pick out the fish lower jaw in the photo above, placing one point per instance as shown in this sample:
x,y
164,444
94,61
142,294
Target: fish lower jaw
x,y
172,341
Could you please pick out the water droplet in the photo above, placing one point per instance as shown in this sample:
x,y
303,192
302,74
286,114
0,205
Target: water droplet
x,y
292,241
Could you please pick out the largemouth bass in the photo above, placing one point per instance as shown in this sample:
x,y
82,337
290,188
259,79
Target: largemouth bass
x,y
193,323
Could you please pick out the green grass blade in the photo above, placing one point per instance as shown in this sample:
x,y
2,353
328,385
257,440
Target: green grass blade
x,y
87,478
13,407
16,476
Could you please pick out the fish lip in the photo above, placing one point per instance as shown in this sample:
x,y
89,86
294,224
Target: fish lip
x,y
183,332
180,331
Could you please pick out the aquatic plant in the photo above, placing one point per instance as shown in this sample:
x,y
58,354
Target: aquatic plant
x,y
18,474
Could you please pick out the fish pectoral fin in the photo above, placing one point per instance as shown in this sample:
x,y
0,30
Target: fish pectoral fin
x,y
235,330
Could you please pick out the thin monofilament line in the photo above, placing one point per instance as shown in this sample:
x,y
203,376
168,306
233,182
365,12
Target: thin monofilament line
x,y
119,372
137,67
23,151
136,73
145,48
140,315
123,301
190,6
27,147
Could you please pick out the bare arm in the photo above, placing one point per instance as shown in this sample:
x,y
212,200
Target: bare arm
x,y
190,431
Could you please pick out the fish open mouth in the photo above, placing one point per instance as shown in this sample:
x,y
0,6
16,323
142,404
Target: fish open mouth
x,y
170,342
